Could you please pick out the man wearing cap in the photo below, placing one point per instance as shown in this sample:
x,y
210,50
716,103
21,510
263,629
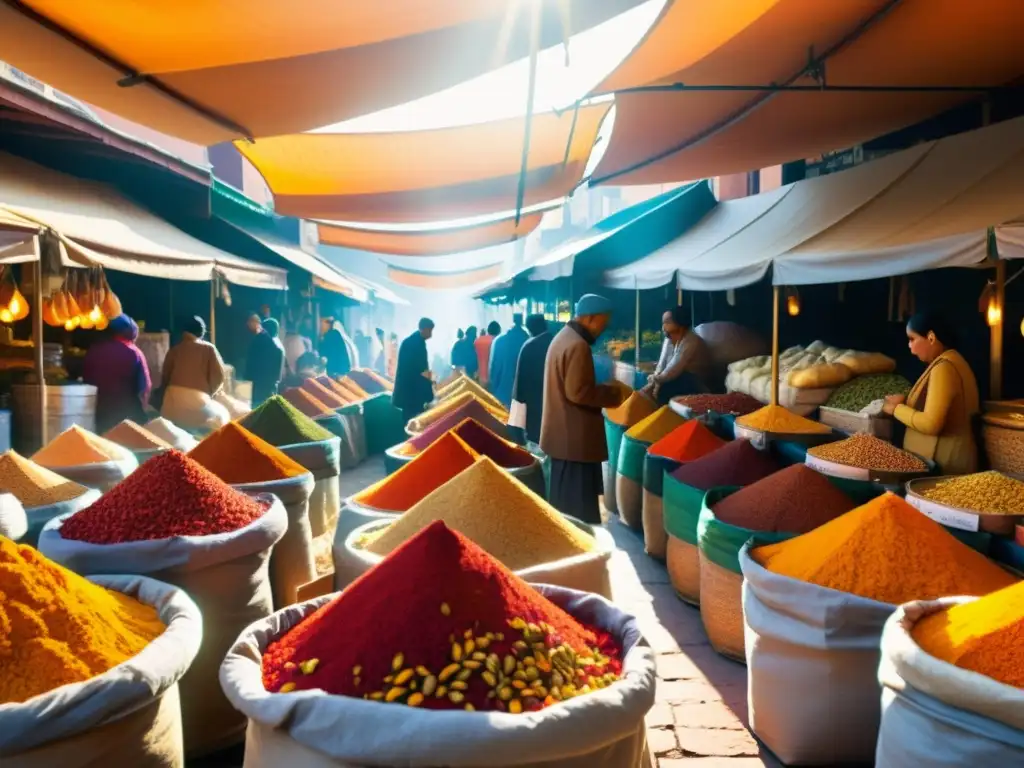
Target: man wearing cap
x,y
413,380
572,427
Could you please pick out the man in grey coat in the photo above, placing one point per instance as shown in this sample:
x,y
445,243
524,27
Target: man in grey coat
x,y
572,429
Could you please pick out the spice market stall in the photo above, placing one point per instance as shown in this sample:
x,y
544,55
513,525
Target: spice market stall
x,y
617,421
632,452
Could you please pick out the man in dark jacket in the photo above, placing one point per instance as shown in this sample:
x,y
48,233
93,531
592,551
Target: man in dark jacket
x,y
528,387
413,388
505,357
265,363
572,427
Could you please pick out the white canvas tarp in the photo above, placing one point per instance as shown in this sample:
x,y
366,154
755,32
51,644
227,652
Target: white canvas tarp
x,y
98,226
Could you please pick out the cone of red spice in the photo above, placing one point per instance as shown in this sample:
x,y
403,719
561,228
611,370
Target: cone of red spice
x,y
393,637
431,469
326,396
237,456
328,383
689,442
737,463
472,409
793,500
169,495
306,403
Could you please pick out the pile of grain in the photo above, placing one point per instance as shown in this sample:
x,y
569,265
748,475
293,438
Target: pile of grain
x,y
76,446
135,438
868,452
989,493
33,485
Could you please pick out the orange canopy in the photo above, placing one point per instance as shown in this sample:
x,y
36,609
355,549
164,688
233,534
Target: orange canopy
x,y
443,280
230,68
664,136
426,176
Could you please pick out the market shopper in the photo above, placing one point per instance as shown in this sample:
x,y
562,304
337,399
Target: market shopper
x,y
265,362
339,350
528,387
572,427
685,364
297,343
483,352
504,357
464,354
118,370
413,380
380,360
193,372
940,411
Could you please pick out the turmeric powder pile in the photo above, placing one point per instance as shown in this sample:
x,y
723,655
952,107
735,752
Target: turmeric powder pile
x,y
57,628
985,636
887,551
775,418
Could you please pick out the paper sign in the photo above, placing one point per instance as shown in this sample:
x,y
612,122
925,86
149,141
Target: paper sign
x,y
940,513
757,438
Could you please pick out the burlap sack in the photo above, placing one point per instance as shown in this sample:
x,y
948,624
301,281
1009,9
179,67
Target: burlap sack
x,y
682,505
613,437
587,572
38,517
323,460
13,520
310,729
128,716
353,515
226,575
101,475
652,508
812,668
292,562
629,481
937,715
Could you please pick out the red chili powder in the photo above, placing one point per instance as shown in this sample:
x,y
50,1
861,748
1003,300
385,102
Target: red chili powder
x,y
735,463
169,495
472,409
236,455
793,500
306,403
689,442
436,589
429,470
326,396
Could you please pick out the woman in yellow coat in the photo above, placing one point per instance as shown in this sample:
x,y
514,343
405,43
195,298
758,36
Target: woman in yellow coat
x,y
940,410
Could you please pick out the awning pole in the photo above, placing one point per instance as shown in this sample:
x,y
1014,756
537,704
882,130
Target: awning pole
x,y
37,333
679,297
996,330
775,345
213,310
636,357
531,91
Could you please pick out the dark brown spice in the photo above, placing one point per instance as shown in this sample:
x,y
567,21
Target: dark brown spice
x,y
735,463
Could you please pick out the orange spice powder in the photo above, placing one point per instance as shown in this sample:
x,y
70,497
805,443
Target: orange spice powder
x,y
306,403
236,456
326,396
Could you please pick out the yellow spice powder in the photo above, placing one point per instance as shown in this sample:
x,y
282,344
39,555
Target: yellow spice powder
x,y
656,426
775,418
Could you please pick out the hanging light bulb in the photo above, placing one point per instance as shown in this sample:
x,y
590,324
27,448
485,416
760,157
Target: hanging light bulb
x,y
6,316
993,313
71,323
18,305
84,321
101,324
95,314
1022,327
793,304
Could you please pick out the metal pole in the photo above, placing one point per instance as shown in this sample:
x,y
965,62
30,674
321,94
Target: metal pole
x,y
775,344
679,297
636,358
37,333
996,333
213,310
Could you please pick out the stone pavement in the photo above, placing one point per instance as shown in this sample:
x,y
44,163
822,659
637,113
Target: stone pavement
x,y
699,719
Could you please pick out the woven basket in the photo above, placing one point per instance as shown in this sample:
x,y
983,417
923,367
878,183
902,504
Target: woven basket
x,y
721,609
655,537
683,561
630,497
1004,443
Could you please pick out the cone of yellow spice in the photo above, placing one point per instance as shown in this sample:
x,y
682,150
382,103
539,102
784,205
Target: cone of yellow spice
x,y
775,418
58,628
984,636
887,551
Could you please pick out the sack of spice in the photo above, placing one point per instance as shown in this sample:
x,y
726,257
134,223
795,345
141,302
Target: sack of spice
x,y
256,468
736,464
634,409
953,682
43,494
506,519
103,690
13,521
87,459
814,608
686,444
629,480
175,521
169,432
396,669
139,440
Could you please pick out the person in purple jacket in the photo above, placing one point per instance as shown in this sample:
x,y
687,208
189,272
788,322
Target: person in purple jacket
x,y
118,370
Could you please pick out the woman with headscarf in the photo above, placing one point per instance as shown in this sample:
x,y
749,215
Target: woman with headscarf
x,y
193,373
118,370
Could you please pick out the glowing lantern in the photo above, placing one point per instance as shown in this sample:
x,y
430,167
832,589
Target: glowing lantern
x,y
793,304
6,316
993,313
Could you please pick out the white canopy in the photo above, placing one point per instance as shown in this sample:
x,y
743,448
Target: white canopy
x,y
98,226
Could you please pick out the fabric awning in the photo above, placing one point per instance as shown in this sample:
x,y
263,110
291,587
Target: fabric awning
x,y
98,226
426,176
379,291
269,67
675,136
429,242
923,208
327,275
440,281
627,235
14,230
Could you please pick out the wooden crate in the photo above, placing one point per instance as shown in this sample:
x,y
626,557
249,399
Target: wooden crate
x,y
852,423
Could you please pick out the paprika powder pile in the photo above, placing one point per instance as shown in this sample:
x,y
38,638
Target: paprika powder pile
x,y
280,423
59,628
170,495
887,551
656,426
497,512
793,500
689,442
33,485
636,408
328,397
474,409
737,463
237,456
984,636
365,381
76,446
135,438
306,403
439,463
440,624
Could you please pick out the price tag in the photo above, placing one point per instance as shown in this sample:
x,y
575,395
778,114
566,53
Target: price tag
x,y
833,469
940,513
757,438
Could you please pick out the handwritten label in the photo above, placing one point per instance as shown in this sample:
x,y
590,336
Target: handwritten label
x,y
836,470
757,438
940,513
